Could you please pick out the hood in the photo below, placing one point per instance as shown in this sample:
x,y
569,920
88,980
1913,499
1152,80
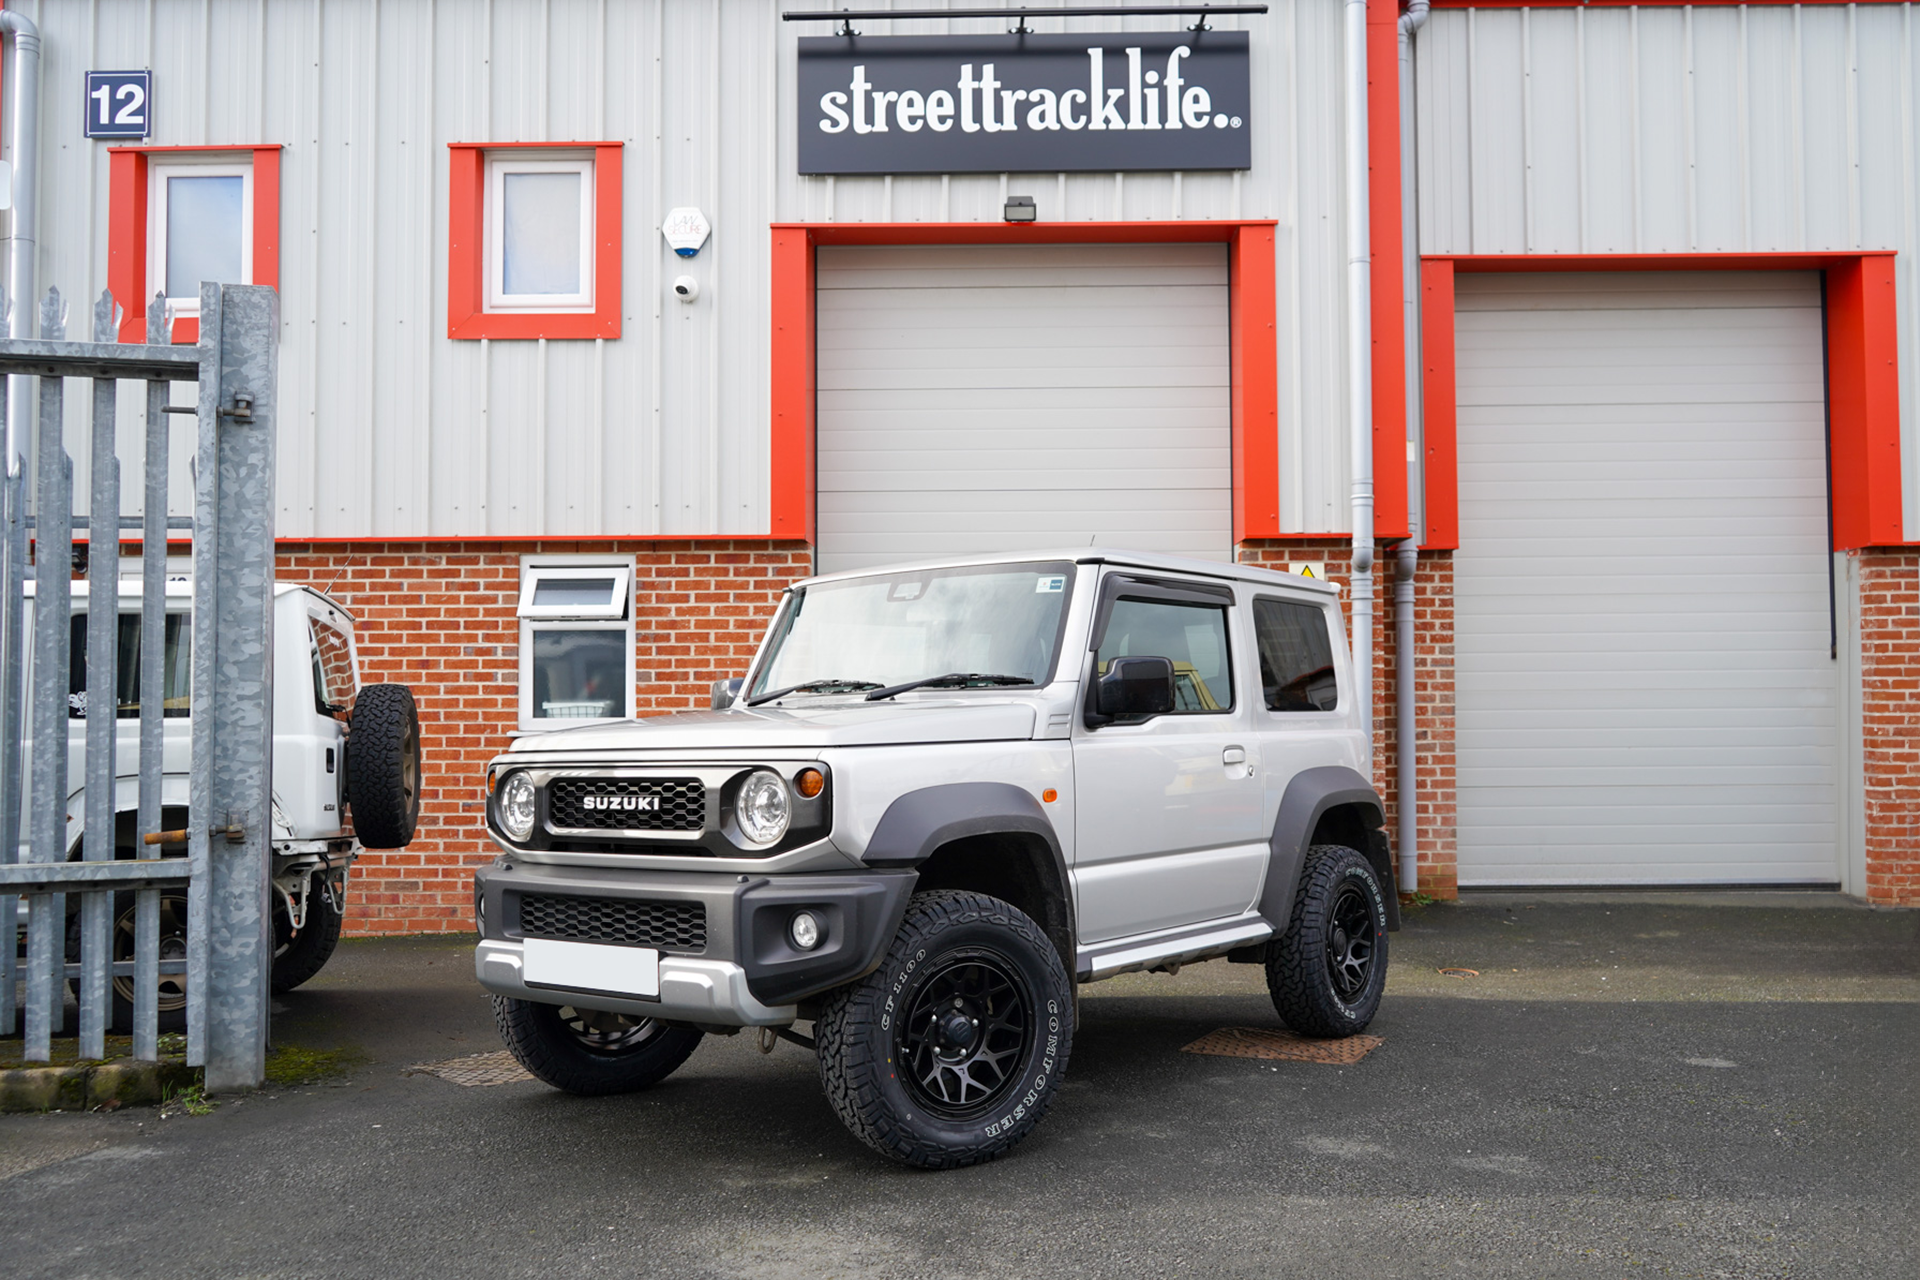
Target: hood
x,y
828,724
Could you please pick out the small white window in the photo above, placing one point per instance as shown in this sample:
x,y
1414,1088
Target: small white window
x,y
539,228
576,641
200,228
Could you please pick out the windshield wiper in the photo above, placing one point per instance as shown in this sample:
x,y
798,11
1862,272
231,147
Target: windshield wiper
x,y
961,678
814,686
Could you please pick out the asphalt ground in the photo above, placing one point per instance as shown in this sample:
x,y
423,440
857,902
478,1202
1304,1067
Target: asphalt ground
x,y
1724,1085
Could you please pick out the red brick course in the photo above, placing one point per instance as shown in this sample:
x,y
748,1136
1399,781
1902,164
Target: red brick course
x,y
442,620
1890,730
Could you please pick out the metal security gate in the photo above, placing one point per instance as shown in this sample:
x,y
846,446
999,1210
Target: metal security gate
x,y
225,870
1646,692
980,398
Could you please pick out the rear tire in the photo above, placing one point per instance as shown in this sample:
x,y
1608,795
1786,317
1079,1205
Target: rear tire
x,y
948,1054
383,766
1326,974
589,1052
298,956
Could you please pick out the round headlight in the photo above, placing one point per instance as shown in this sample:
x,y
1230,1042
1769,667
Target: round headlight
x,y
764,807
516,807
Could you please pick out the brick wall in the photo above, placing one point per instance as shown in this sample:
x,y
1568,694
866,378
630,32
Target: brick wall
x,y
1433,689
442,620
1890,687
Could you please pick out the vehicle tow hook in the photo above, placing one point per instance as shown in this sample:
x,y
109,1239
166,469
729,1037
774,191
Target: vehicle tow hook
x,y
770,1036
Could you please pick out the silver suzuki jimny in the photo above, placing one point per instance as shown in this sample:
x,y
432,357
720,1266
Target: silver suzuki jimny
x,y
943,795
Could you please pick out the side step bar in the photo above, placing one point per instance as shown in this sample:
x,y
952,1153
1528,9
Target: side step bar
x,y
1178,946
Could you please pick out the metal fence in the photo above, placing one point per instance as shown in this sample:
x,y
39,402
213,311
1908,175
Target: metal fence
x,y
116,930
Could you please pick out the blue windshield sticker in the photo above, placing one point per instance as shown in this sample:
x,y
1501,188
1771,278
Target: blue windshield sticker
x,y
1052,582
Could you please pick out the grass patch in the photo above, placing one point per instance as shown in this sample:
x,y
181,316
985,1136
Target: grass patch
x,y
193,1100
292,1064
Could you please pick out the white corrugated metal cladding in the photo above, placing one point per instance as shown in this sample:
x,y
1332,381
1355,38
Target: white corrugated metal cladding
x,y
1643,681
1677,129
390,428
976,398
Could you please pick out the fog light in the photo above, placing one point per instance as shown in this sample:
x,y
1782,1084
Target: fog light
x,y
516,806
808,782
805,931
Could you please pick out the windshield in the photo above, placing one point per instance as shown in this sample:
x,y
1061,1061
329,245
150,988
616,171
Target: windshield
x,y
990,620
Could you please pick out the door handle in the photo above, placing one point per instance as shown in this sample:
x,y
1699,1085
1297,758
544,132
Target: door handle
x,y
1234,755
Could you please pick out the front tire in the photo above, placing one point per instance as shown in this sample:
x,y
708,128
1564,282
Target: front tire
x,y
948,1054
590,1052
1328,971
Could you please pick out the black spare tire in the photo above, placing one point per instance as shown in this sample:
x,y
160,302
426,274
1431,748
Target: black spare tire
x,y
383,766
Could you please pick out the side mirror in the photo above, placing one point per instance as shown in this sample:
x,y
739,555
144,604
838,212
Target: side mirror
x,y
724,692
1135,687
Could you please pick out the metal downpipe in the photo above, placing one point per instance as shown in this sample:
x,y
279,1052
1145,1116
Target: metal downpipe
x,y
23,233
1407,554
1360,359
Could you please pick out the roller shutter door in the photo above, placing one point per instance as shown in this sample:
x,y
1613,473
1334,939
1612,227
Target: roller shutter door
x,y
1645,693
981,398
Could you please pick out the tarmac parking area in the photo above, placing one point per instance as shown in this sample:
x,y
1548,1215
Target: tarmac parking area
x,y
1694,1085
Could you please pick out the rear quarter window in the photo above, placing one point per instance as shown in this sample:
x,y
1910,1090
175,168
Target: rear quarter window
x,y
1296,655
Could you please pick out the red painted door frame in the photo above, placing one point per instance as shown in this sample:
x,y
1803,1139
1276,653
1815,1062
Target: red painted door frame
x,y
1250,302
1863,376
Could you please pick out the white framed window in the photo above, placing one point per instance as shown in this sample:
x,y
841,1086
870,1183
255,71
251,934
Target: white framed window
x,y
539,233
199,228
576,640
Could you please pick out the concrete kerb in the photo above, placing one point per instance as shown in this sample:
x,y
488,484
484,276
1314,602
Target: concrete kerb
x,y
83,1086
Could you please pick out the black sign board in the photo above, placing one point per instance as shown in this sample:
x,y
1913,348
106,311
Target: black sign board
x,y
119,104
1025,104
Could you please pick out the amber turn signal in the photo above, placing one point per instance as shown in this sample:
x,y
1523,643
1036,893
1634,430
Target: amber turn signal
x,y
808,782
1049,795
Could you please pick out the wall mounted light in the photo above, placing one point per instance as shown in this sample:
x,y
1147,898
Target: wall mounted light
x,y
1019,209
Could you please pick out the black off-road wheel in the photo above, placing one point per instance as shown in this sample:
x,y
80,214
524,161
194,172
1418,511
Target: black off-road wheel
x,y
298,956
383,766
949,1053
590,1052
171,999
1326,974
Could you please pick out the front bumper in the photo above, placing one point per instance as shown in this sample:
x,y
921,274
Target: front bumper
x,y
743,971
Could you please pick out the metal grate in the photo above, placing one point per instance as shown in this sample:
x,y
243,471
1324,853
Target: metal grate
x,y
1258,1042
672,926
627,804
475,1069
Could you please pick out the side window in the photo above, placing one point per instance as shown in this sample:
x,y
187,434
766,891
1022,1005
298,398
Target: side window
x,y
576,642
1296,656
176,673
1191,636
335,681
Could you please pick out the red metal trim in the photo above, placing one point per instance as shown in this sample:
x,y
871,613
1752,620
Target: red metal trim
x,y
1256,391
1863,372
127,230
548,541
1389,355
1612,4
467,316
1441,404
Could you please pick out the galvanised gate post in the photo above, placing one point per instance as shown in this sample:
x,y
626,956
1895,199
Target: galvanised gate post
x,y
226,870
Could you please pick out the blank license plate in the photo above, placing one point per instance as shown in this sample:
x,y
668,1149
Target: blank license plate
x,y
587,966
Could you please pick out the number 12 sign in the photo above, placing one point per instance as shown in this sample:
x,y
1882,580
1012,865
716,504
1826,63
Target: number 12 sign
x,y
119,104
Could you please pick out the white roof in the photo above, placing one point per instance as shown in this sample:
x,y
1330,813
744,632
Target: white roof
x,y
1100,555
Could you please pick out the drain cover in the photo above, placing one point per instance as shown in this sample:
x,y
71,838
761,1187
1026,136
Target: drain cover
x,y
1255,1042
475,1069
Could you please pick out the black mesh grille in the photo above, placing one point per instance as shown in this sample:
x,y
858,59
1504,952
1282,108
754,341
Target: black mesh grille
x,y
672,926
626,804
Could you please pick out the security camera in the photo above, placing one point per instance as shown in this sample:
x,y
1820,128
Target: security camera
x,y
686,288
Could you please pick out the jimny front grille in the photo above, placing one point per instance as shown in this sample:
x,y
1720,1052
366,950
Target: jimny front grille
x,y
627,804
670,926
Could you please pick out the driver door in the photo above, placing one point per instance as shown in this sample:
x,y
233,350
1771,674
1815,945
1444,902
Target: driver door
x,y
1168,809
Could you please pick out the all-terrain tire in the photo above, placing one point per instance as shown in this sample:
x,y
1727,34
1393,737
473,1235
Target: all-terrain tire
x,y
383,766
960,959
300,956
591,1053
171,999
1327,972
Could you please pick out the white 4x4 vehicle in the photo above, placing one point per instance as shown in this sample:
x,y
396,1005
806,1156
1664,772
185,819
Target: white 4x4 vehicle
x,y
346,773
943,795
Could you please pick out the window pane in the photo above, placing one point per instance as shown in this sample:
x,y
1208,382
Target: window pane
x,y
574,592
579,674
334,679
1191,636
176,673
204,233
1296,656
540,233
